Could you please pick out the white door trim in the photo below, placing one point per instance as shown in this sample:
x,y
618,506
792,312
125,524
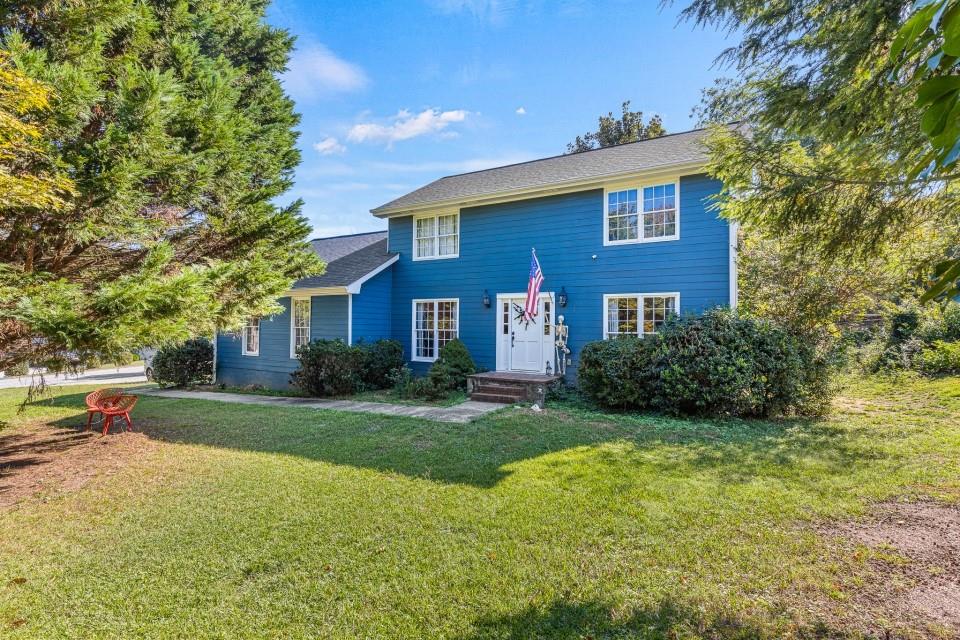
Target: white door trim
x,y
502,352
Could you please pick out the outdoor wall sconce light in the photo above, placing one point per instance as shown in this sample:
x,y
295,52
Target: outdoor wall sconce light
x,y
562,297
486,298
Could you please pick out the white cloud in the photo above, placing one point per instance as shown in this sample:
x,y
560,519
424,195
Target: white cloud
x,y
315,72
406,125
329,146
521,111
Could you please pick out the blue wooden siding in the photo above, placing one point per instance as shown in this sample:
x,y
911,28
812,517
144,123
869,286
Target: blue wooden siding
x,y
272,368
567,231
371,308
328,318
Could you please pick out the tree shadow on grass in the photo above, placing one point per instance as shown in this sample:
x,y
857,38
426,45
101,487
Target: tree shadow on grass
x,y
482,453
19,450
564,620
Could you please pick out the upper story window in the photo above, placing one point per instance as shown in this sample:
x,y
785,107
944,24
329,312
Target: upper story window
x,y
435,323
647,214
299,324
251,337
436,236
638,314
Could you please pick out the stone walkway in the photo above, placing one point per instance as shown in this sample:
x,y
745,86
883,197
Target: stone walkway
x,y
463,412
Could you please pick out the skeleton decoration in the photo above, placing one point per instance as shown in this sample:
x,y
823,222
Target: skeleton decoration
x,y
562,335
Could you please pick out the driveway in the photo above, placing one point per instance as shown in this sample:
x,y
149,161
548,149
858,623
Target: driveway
x,y
106,377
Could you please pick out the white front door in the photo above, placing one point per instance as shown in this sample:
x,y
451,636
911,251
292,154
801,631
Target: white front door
x,y
525,352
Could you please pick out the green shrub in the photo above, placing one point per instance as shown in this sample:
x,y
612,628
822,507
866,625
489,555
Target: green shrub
x,y
451,369
448,373
329,368
904,324
562,391
941,358
401,381
723,364
714,364
409,387
910,331
617,373
184,364
951,322
381,360
19,369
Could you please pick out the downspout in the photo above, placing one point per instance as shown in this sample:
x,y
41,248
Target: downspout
x,y
734,242
349,318
216,335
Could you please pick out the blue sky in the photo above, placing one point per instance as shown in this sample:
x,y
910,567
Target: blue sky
x,y
396,94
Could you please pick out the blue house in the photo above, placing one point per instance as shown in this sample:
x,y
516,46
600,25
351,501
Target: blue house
x,y
624,235
346,303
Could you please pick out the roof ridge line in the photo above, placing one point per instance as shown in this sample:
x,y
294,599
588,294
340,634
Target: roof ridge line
x,y
574,153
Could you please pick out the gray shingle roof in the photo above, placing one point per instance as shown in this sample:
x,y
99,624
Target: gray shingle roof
x,y
654,153
348,258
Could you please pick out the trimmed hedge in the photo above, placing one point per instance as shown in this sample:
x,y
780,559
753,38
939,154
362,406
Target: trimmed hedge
x,y
184,364
617,373
381,360
334,368
714,364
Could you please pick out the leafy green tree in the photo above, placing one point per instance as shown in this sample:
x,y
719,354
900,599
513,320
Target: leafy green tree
x,y
817,298
827,154
170,121
925,54
630,127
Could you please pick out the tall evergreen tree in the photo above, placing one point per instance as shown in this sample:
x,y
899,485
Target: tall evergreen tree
x,y
630,127
169,119
834,139
22,182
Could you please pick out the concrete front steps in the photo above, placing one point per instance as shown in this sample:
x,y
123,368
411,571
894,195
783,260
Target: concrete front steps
x,y
507,387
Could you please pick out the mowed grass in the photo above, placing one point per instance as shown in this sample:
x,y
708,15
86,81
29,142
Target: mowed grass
x,y
253,522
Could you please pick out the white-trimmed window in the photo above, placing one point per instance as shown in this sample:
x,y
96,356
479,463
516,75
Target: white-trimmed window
x,y
299,324
436,236
251,337
637,314
435,323
650,213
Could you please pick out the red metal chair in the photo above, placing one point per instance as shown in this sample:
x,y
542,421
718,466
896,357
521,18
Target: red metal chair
x,y
98,397
121,406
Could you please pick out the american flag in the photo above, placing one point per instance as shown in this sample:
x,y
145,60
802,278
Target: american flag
x,y
533,287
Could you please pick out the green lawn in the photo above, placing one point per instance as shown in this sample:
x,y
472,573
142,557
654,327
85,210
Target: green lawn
x,y
250,522
373,395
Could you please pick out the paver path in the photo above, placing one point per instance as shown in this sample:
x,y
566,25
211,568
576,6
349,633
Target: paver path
x,y
463,412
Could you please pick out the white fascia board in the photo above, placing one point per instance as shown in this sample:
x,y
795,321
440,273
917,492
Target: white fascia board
x,y
354,287
675,170
314,291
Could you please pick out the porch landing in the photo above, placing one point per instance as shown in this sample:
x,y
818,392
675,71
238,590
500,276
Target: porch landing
x,y
509,387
